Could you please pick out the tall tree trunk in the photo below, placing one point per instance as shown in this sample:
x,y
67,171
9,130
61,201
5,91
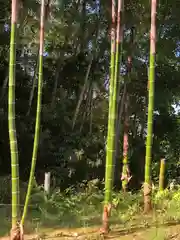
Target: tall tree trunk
x,y
147,183
82,92
85,111
93,56
112,118
16,231
83,26
91,110
126,171
38,112
119,128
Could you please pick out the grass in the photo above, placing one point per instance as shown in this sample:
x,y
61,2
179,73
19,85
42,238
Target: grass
x,y
80,213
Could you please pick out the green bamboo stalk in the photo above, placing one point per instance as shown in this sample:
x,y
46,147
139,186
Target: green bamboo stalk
x,y
111,89
112,118
161,174
11,117
38,112
18,34
147,184
119,42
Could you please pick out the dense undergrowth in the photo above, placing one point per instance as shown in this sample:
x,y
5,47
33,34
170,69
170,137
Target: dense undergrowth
x,y
83,208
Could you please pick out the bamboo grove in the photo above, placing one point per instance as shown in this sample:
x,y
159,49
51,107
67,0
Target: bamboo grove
x,y
119,109
115,80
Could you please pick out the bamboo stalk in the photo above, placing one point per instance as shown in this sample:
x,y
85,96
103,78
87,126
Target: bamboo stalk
x,y
11,116
38,112
16,232
147,184
112,118
161,174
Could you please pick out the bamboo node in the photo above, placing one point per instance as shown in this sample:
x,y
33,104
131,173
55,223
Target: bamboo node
x,y
126,176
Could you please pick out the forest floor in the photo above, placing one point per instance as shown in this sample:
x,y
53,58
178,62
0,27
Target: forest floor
x,y
78,216
164,232
152,233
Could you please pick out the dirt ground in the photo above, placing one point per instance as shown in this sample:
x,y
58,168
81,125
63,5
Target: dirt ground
x,y
154,233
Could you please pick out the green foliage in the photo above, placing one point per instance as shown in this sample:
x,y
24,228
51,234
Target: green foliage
x,y
78,154
82,207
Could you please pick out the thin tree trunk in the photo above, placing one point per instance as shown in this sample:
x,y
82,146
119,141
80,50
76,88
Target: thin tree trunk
x,y
54,93
16,231
83,119
134,129
120,112
85,109
93,55
82,93
119,47
34,84
126,171
91,111
88,107
147,183
83,26
38,112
